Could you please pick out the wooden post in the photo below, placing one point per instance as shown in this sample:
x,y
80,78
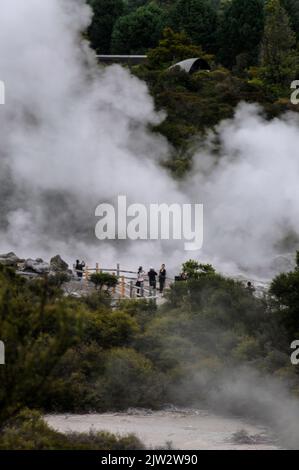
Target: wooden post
x,y
97,268
113,288
122,287
118,270
131,289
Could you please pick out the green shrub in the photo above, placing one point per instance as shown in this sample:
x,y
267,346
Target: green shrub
x,y
30,432
129,379
248,349
101,280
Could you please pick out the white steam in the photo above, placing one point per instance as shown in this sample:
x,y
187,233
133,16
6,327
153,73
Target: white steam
x,y
251,193
74,135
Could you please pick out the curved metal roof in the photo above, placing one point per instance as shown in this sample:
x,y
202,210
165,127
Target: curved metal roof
x,y
192,65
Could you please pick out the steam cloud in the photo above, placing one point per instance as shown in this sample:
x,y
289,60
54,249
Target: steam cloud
x,y
246,392
74,135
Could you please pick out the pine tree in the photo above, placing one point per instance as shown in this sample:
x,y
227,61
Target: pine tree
x,y
292,9
240,32
105,12
279,58
198,19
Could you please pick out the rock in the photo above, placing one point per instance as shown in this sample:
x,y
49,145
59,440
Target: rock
x,y
9,259
37,266
57,265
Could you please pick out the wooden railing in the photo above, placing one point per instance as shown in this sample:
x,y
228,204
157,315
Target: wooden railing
x,y
126,286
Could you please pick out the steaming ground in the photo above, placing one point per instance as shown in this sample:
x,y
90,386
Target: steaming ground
x,y
185,429
241,399
245,392
74,135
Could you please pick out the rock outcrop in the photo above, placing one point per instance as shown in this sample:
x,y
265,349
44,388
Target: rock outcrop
x,y
57,265
9,259
37,266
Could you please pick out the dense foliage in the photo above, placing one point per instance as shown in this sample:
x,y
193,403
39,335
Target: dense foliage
x,y
138,31
240,32
106,12
279,57
231,29
250,45
198,19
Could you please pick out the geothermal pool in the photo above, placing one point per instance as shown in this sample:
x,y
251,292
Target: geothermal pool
x,y
184,429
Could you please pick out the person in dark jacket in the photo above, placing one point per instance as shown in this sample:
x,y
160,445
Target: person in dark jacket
x,y
162,278
250,287
79,268
152,278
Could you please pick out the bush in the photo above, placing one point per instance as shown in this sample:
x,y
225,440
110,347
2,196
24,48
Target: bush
x,y
248,349
30,432
101,280
129,380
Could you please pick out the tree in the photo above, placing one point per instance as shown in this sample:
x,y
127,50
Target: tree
x,y
172,48
279,58
131,5
292,9
240,32
138,31
195,270
106,12
37,326
285,289
198,19
103,279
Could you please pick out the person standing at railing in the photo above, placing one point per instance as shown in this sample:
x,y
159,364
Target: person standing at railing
x,y
152,280
162,278
79,267
140,281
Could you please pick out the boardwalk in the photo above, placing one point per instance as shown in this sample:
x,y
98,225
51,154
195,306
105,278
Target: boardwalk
x,y
125,289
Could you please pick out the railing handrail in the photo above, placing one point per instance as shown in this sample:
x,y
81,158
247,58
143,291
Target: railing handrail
x,y
125,283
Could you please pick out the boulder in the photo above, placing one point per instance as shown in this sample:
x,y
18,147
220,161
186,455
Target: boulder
x,y
57,265
37,266
9,259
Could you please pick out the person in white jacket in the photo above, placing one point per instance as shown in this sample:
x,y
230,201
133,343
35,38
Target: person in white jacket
x,y
140,281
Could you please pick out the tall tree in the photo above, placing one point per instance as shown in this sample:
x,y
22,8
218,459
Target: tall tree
x,y
106,12
292,9
240,32
285,289
138,31
131,5
279,58
198,19
173,47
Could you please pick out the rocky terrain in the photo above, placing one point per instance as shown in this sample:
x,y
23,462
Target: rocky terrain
x,y
36,266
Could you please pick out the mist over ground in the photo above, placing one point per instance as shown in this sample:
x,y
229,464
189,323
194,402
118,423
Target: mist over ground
x,y
245,392
74,135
